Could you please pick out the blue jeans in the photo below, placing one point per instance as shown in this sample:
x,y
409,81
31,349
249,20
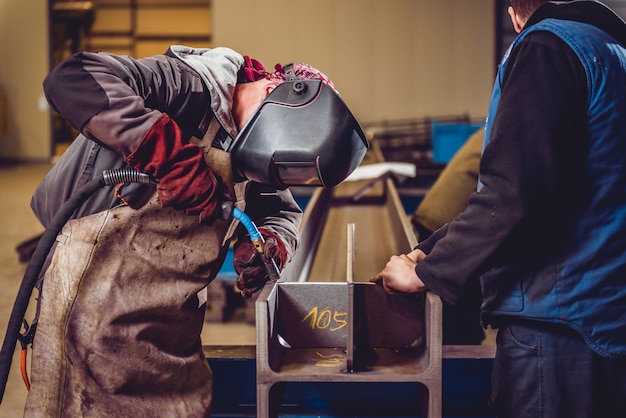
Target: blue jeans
x,y
544,370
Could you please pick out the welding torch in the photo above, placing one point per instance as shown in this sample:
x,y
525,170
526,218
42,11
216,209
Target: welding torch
x,y
258,242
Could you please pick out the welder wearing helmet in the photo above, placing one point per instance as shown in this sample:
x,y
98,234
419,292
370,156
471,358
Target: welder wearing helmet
x,y
122,298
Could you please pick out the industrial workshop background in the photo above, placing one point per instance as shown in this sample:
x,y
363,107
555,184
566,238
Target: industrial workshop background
x,y
390,59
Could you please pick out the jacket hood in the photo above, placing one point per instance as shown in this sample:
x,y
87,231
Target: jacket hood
x,y
584,11
218,68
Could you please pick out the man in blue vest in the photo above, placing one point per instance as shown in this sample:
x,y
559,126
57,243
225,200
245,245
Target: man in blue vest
x,y
546,228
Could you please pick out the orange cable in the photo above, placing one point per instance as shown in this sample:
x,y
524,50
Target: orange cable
x,y
23,369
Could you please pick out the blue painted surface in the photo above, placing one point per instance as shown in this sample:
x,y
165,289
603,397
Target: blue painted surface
x,y
449,137
465,391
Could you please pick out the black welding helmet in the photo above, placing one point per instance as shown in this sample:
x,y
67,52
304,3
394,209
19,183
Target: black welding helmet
x,y
303,134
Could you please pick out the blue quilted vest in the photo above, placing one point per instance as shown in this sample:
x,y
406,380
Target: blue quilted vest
x,y
587,289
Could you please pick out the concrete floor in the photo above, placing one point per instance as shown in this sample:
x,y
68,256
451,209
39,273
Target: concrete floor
x,y
18,224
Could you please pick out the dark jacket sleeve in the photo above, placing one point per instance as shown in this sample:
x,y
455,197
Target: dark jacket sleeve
x,y
115,99
532,158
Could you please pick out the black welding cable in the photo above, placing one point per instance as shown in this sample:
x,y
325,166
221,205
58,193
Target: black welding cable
x,y
108,178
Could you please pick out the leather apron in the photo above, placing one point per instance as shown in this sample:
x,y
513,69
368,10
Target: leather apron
x,y
122,306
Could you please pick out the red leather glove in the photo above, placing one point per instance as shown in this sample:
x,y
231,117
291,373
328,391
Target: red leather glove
x,y
185,182
251,271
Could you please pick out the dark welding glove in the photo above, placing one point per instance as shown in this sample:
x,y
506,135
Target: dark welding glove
x,y
184,181
252,273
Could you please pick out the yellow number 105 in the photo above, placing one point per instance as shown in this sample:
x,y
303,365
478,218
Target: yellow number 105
x,y
325,318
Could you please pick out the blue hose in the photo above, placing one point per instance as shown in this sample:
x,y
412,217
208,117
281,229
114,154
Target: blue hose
x,y
245,220
228,210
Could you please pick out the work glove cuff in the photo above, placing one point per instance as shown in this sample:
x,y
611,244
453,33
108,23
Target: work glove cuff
x,y
184,180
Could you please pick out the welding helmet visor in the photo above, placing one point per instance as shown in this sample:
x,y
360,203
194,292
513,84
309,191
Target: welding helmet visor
x,y
302,134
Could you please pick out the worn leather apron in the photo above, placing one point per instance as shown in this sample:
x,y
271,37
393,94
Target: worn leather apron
x,y
121,311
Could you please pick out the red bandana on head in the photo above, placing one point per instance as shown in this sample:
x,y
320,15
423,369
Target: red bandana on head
x,y
253,69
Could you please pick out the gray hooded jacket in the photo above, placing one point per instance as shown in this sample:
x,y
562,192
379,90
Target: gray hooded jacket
x,y
113,101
